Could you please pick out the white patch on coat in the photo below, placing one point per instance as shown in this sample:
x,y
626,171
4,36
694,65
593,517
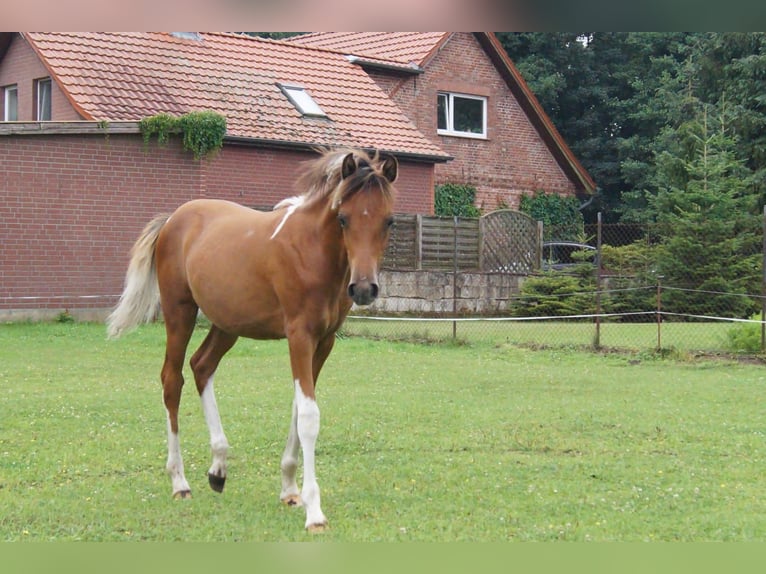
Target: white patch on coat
x,y
291,203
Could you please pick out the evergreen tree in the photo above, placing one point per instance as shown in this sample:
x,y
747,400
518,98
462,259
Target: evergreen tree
x,y
709,223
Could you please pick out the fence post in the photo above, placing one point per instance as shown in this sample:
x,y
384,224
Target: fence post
x,y
597,340
418,241
454,277
763,284
659,312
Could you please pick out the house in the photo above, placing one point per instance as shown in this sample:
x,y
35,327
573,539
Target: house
x,y
463,92
78,183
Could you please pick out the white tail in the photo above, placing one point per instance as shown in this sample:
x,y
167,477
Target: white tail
x,y
140,300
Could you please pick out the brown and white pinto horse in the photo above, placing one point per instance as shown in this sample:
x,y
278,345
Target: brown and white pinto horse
x,y
292,272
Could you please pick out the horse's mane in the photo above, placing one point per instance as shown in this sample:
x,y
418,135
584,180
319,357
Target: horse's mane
x,y
321,178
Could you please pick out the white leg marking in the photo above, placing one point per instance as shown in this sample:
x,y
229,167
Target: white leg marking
x,y
289,464
218,443
175,465
308,430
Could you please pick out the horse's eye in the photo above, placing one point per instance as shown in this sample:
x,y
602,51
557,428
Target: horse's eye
x,y
389,222
343,220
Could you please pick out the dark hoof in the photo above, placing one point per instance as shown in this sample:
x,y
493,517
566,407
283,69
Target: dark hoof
x,y
182,494
216,482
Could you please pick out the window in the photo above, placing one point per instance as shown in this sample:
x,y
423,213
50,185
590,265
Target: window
x,y
10,104
43,100
302,101
461,115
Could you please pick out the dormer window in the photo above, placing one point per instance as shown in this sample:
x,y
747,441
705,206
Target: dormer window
x,y
302,101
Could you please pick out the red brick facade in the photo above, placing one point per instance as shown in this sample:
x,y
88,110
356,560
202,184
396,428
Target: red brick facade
x,y
513,160
71,206
22,67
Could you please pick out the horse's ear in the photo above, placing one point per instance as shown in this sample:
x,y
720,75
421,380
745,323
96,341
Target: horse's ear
x,y
390,168
348,167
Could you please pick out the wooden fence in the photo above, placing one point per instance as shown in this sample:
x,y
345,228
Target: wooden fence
x,y
503,241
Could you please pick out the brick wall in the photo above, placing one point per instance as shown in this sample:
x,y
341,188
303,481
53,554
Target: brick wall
x,y
513,160
71,206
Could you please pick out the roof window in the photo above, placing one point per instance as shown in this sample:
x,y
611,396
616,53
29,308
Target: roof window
x,y
196,36
302,101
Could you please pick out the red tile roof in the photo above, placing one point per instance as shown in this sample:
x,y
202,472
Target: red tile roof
x,y
400,47
128,76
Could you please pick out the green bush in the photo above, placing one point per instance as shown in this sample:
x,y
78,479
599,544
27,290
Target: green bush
x,y
452,199
555,294
745,337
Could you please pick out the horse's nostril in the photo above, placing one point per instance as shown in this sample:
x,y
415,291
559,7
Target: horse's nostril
x,y
351,290
374,290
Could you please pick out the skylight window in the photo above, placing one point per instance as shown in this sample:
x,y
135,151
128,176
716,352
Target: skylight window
x,y
302,101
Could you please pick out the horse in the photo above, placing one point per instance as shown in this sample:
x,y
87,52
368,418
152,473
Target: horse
x,y
292,273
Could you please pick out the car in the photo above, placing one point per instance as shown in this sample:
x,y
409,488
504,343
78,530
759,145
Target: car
x,y
560,255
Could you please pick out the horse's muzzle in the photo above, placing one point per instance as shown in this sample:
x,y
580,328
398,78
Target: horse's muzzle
x,y
363,292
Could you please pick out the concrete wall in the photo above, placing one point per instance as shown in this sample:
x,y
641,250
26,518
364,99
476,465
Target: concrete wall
x,y
431,292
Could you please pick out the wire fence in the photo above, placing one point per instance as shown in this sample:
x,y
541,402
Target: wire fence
x,y
621,287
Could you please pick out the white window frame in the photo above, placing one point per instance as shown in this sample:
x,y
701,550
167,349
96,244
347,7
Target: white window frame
x,y
43,97
450,106
7,91
302,100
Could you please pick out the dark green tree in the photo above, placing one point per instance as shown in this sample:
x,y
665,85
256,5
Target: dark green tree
x,y
708,220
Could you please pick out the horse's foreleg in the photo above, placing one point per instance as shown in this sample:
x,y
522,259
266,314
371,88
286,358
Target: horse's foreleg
x,y
308,431
290,494
306,426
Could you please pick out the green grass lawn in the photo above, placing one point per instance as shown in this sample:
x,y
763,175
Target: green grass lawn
x,y
484,441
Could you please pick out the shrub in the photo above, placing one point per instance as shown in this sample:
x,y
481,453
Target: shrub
x,y
555,294
745,337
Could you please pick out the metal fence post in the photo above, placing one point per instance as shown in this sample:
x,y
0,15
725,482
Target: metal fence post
x,y
597,340
659,312
763,284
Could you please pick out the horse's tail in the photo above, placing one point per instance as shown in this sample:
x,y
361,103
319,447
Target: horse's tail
x,y
140,300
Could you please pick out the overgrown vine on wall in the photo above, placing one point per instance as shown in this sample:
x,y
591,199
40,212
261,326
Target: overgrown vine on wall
x,y
202,132
453,199
561,216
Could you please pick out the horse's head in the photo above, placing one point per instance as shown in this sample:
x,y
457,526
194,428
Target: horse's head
x,y
365,215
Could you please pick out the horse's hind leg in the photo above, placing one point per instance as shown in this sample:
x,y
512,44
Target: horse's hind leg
x,y
179,325
204,364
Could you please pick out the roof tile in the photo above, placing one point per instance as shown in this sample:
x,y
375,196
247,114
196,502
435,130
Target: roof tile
x,y
127,76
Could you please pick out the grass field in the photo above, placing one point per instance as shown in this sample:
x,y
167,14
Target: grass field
x,y
483,441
